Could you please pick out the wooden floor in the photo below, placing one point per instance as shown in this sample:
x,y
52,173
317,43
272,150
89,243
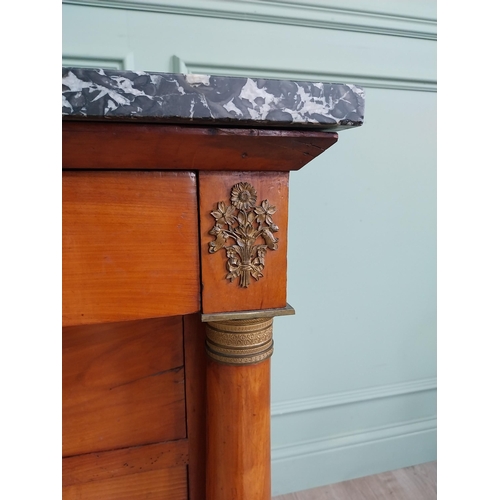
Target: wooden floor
x,y
411,483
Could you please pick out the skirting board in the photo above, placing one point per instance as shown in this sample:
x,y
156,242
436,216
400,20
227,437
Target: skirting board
x,y
320,462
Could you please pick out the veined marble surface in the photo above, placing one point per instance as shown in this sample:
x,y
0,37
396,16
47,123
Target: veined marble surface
x,y
203,99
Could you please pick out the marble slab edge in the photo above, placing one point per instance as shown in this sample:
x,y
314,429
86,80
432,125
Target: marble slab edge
x,y
103,94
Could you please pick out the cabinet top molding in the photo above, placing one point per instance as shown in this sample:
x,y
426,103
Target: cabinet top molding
x,y
94,94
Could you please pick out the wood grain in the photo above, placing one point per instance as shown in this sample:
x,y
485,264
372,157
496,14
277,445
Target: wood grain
x,y
196,401
162,484
219,294
100,145
123,385
130,246
108,464
238,423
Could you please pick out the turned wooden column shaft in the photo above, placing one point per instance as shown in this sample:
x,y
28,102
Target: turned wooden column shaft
x,y
238,416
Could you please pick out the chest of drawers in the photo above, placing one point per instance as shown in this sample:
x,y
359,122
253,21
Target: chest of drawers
x,y
169,227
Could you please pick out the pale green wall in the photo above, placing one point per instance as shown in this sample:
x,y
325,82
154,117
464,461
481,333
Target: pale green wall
x,y
354,372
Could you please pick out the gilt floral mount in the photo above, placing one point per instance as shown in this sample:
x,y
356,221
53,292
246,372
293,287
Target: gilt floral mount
x,y
238,228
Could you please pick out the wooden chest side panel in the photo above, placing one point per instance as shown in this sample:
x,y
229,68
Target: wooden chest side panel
x,y
162,484
130,246
123,385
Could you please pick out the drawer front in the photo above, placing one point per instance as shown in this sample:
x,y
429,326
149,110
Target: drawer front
x,y
150,471
167,484
130,246
123,385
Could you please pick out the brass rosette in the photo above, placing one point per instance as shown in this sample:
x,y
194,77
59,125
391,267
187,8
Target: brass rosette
x,y
240,342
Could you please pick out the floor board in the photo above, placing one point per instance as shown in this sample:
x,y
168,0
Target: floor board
x,y
412,483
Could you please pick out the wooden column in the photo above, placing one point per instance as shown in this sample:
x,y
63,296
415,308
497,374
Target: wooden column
x,y
238,416
243,230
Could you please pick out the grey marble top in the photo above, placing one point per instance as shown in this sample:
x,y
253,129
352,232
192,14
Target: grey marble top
x,y
209,100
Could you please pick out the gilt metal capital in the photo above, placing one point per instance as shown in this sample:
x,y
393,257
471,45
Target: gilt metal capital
x,y
241,341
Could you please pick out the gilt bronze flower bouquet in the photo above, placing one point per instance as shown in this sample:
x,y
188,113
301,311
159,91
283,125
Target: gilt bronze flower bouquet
x,y
246,225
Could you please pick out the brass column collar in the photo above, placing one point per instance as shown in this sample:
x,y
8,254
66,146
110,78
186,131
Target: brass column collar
x,y
240,341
